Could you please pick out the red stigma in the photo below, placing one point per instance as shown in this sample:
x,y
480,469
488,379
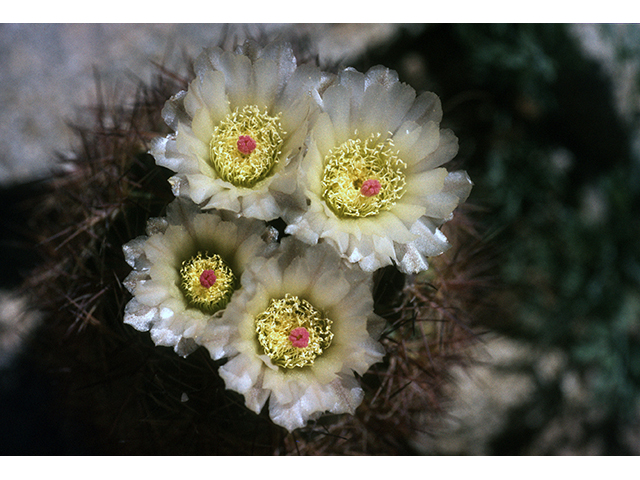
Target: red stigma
x,y
208,278
370,187
299,337
246,144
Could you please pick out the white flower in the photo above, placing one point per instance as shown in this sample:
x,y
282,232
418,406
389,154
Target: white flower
x,y
185,270
305,324
240,124
373,173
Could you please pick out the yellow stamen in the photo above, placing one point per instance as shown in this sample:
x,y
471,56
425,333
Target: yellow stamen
x,y
354,162
216,295
275,324
235,165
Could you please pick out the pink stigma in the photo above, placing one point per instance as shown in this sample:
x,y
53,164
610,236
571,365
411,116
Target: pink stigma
x,y
246,144
208,278
370,187
299,337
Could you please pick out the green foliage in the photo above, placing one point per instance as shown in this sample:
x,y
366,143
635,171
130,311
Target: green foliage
x,y
569,219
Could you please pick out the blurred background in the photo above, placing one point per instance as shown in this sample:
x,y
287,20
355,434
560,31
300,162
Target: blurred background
x,y
548,121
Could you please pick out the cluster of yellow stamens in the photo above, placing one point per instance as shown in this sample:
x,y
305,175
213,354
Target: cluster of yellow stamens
x,y
207,282
246,146
362,178
293,332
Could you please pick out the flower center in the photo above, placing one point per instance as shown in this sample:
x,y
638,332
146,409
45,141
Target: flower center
x,y
246,145
299,337
362,178
207,282
292,332
208,278
370,187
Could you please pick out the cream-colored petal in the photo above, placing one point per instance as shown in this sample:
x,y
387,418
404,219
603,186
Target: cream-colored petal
x,y
174,111
207,92
266,82
299,95
343,395
426,183
380,75
239,81
368,353
240,373
214,95
384,247
405,137
222,199
459,184
408,213
202,127
386,224
166,154
281,54
337,104
426,108
354,82
164,337
430,240
447,149
140,316
328,366
329,289
323,140
297,277
202,187
411,261
134,254
262,206
189,144
383,108
441,205
303,231
426,143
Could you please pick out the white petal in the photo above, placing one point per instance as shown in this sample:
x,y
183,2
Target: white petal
x,y
425,144
208,91
134,254
430,241
408,213
203,129
330,289
427,107
337,104
267,82
189,144
354,82
426,183
405,137
238,79
140,316
240,373
459,184
383,108
166,154
447,149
